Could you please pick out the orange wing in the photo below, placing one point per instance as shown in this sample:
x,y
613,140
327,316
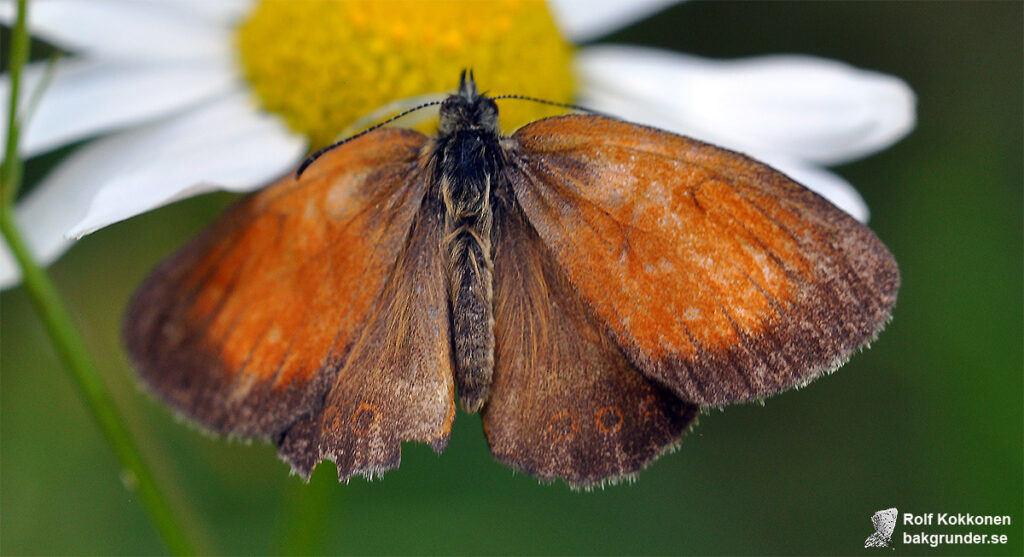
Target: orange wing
x,y
564,401
717,275
397,383
249,327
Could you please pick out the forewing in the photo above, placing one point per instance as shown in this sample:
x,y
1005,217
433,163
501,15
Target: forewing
x,y
565,402
717,275
246,327
397,383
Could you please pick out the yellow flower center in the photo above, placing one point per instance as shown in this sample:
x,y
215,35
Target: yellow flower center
x,y
323,64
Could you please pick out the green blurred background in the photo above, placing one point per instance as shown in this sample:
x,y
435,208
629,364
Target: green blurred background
x,y
928,420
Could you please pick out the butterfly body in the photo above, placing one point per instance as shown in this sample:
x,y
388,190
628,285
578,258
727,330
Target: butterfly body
x,y
467,166
586,284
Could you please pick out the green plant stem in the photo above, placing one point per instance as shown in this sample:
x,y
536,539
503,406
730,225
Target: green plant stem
x,y
10,174
71,350
61,330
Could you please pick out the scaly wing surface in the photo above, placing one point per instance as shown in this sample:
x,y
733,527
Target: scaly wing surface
x,y
718,276
251,326
565,402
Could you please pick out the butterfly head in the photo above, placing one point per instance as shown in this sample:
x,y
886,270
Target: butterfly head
x,y
467,109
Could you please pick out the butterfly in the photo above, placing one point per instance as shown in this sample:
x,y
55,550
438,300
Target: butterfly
x,y
586,284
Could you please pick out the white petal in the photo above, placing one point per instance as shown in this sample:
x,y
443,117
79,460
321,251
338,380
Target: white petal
x,y
88,97
826,184
60,200
222,12
582,20
224,145
810,108
125,29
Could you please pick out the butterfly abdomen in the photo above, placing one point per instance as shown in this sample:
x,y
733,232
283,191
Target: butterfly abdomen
x,y
472,319
467,162
465,184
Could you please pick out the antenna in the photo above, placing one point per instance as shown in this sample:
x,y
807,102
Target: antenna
x,y
313,157
467,88
552,103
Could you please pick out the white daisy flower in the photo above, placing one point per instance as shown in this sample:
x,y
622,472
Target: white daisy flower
x,y
190,96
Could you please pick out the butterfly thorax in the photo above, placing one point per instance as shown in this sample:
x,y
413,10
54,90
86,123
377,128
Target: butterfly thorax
x,y
467,165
